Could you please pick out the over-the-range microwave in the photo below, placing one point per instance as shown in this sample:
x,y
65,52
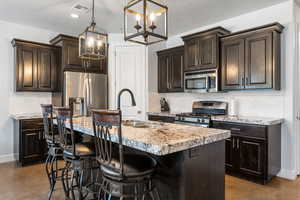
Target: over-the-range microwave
x,y
201,81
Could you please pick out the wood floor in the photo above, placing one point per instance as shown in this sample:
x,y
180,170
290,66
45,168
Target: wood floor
x,y
30,183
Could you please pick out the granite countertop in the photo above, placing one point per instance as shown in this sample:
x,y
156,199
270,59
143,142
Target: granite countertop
x,y
235,119
21,116
249,120
164,139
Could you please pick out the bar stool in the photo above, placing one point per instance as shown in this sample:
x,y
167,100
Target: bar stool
x,y
78,158
54,150
124,175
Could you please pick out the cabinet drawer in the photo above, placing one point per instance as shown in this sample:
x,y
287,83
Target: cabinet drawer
x,y
32,124
248,130
161,118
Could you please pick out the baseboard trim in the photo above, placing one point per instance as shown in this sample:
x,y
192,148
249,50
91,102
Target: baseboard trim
x,y
288,174
8,158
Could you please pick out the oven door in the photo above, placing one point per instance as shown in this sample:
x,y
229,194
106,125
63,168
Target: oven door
x,y
196,84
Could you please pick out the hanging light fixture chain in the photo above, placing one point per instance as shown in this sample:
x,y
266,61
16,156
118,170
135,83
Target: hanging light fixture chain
x,y
93,13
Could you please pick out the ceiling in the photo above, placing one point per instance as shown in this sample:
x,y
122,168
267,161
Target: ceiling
x,y
184,15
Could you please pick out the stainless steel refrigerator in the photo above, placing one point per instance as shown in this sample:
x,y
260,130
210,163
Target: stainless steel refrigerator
x,y
85,90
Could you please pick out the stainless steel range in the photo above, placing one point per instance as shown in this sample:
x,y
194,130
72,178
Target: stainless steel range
x,y
202,113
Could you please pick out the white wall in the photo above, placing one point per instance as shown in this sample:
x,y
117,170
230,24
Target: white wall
x,y
12,102
267,103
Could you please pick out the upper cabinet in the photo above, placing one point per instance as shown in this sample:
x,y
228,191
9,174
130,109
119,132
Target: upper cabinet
x,y
170,70
251,59
70,56
201,50
36,66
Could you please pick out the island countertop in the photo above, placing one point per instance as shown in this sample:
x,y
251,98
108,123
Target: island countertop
x,y
164,139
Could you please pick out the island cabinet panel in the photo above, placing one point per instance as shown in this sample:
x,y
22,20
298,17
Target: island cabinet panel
x,y
197,173
201,50
253,151
36,66
251,59
32,143
170,70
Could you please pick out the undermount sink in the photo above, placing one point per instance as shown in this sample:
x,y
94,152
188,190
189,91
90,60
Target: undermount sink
x,y
142,124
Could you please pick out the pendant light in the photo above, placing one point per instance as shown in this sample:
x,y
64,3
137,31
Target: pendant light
x,y
92,44
145,21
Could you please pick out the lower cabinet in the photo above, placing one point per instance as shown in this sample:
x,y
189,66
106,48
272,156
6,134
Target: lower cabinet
x,y
32,144
253,151
159,118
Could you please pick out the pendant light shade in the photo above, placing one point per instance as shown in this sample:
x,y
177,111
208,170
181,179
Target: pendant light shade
x,y
145,21
92,43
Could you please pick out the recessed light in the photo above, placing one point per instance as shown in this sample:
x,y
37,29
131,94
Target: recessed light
x,y
75,16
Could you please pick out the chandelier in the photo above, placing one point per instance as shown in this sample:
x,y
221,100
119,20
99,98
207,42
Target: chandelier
x,y
92,44
145,21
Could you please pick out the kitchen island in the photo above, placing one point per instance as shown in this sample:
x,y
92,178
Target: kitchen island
x,y
190,159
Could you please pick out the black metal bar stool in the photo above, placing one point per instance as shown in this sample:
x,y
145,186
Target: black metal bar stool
x,y
77,174
124,175
53,169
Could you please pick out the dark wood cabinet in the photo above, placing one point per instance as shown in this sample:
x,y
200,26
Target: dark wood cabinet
x,y
251,59
233,75
251,154
32,144
170,70
253,151
160,118
229,153
202,49
70,56
36,66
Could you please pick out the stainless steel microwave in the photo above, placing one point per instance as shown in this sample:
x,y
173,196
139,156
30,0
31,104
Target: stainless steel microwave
x,y
201,81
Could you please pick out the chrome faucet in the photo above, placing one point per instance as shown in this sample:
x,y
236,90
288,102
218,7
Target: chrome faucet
x,y
119,97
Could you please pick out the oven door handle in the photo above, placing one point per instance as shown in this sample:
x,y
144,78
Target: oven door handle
x,y
207,83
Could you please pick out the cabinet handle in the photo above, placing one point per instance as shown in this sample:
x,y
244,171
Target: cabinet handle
x,y
168,81
233,143
238,143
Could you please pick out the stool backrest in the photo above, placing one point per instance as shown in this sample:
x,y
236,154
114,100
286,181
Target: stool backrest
x,y
67,138
47,111
103,122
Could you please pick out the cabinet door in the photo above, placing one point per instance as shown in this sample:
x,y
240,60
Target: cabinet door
x,y
31,146
229,152
191,55
47,70
207,52
233,64
258,61
251,156
26,68
163,65
71,55
98,66
176,72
